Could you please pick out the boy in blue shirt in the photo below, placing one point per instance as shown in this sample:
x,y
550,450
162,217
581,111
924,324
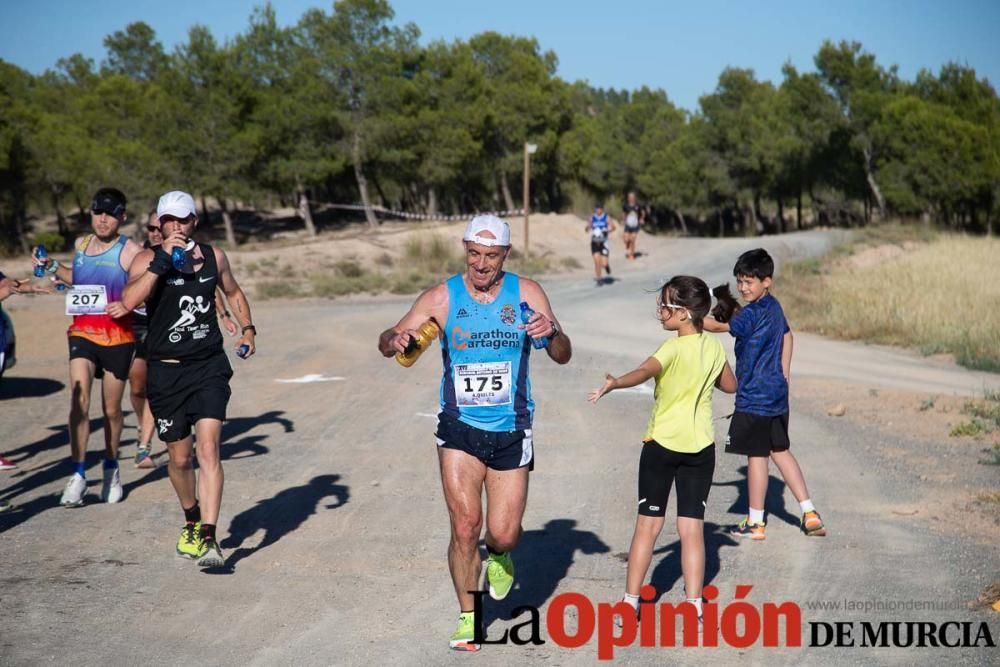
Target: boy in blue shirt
x,y
759,427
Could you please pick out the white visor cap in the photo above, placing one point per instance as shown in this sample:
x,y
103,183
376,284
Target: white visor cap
x,y
487,223
176,203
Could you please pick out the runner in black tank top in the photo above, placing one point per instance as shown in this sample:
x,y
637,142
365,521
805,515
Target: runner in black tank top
x,y
183,325
188,383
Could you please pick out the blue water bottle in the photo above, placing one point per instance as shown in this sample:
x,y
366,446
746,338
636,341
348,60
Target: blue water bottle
x,y
243,351
177,257
42,255
526,313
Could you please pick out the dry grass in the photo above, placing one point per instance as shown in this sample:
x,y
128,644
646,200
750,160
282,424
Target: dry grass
x,y
938,295
424,261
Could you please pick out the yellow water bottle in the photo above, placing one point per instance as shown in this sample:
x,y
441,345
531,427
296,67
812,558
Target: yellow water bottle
x,y
426,334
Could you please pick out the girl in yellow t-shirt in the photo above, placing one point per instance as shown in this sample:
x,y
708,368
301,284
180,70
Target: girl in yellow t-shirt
x,y
679,442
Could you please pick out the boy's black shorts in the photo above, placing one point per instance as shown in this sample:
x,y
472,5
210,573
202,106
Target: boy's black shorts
x,y
660,467
115,359
181,394
756,435
501,450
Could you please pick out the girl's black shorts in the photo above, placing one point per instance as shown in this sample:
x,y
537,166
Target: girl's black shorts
x,y
659,468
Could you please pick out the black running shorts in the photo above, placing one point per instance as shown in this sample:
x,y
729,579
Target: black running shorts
x,y
503,450
116,359
599,248
755,435
659,468
181,394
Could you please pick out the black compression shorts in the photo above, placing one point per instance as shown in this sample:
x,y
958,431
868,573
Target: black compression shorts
x,y
660,468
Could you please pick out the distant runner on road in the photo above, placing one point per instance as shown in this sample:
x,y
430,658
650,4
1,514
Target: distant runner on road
x,y
635,217
600,228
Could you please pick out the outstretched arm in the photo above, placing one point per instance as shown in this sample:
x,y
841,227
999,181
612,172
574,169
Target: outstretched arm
x,y
714,326
648,369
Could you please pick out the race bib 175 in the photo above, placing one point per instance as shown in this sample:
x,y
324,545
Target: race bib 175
x,y
482,384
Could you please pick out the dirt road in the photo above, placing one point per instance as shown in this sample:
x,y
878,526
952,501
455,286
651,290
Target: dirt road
x,y
336,531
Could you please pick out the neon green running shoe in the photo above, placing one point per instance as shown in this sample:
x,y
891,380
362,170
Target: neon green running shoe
x,y
461,639
189,544
500,572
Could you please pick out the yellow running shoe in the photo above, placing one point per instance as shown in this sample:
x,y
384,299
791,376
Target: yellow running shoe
x,y
461,639
500,572
189,544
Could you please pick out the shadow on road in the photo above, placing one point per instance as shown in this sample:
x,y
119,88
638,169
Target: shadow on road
x,y
278,516
239,425
58,439
774,498
541,561
18,387
51,472
667,571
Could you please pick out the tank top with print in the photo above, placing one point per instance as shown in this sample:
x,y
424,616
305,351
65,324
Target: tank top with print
x,y
599,227
485,381
103,269
181,311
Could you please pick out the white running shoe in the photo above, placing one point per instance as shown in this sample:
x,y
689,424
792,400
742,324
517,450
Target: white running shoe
x,y
111,491
72,495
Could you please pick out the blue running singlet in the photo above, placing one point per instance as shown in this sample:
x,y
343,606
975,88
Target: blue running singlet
x,y
485,382
103,269
599,226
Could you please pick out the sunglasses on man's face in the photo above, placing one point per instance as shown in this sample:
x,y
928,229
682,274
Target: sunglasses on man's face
x,y
101,211
153,228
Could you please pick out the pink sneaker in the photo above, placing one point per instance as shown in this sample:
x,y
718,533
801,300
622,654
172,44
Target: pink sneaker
x,y
6,464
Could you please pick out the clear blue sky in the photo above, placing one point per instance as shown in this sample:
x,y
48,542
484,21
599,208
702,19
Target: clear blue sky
x,y
679,47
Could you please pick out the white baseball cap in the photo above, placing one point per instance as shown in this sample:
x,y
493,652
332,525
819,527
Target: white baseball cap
x,y
487,223
176,203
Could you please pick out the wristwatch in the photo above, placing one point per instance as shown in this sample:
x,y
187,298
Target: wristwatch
x,y
249,327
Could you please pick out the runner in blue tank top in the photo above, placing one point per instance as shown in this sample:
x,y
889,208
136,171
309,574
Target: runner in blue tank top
x,y
484,432
101,342
600,228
